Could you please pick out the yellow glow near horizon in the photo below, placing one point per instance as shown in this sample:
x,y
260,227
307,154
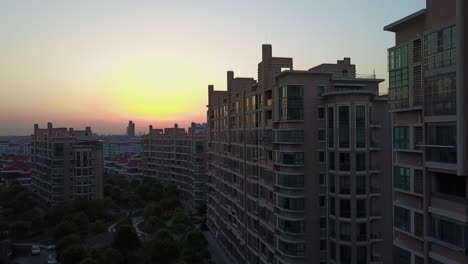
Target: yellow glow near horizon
x,y
156,87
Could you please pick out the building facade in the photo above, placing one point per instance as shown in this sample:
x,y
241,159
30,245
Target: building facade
x,y
428,98
178,156
299,165
67,164
131,129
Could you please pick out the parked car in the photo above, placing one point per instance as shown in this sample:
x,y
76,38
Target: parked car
x,y
35,250
51,248
51,259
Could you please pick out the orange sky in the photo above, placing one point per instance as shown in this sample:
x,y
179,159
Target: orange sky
x,y
102,63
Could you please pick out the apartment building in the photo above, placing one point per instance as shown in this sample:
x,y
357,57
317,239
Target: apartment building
x,y
67,164
299,163
428,98
178,156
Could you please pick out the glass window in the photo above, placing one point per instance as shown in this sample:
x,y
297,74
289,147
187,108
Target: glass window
x,y
398,57
360,184
360,126
361,208
361,231
344,184
398,77
450,184
290,102
362,255
345,208
290,158
449,232
332,206
440,48
321,156
402,178
442,141
331,182
332,250
344,162
291,248
343,119
290,180
289,136
401,138
291,203
331,127
323,222
322,178
321,112
322,201
440,95
290,226
401,256
345,231
360,161
320,90
345,254
331,160
402,218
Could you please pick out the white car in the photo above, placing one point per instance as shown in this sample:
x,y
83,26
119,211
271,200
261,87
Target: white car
x,y
35,250
51,259
51,248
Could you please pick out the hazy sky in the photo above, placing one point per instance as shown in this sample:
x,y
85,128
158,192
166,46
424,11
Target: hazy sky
x,y
103,62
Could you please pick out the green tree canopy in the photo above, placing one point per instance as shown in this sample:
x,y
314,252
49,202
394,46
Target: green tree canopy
x,y
126,239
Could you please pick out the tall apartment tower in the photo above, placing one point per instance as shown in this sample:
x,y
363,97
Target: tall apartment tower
x,y
428,98
67,164
178,156
131,129
299,163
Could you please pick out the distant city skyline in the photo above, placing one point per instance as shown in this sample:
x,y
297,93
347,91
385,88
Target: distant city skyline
x,y
102,63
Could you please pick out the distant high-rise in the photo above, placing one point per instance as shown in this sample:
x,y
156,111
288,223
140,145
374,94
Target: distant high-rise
x,y
67,164
131,129
429,105
178,156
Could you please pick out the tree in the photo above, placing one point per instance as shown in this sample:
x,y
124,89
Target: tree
x,y
195,247
65,228
73,254
153,224
163,234
67,242
153,210
126,239
81,222
156,192
112,256
89,261
97,227
181,222
20,229
164,249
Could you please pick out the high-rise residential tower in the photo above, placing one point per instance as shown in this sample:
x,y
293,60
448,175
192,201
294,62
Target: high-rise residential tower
x,y
428,98
178,156
299,165
131,129
67,164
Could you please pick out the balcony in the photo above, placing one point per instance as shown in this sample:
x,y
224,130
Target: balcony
x,y
449,206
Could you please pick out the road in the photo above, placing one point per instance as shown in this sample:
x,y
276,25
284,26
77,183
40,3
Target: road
x,y
38,259
135,222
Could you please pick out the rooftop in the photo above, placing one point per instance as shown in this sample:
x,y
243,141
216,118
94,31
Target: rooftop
x,y
395,25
